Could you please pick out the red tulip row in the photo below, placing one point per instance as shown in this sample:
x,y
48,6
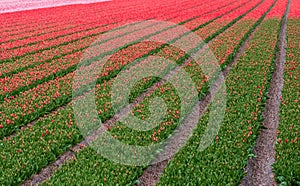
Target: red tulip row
x,y
27,77
37,73
44,56
40,14
32,60
235,34
53,28
23,108
47,16
51,42
84,22
225,11
295,9
33,22
225,20
226,43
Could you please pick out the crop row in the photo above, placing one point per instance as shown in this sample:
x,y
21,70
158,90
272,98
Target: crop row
x,y
46,54
54,18
184,9
34,76
228,42
50,22
81,21
231,12
63,29
125,174
42,15
19,65
287,162
47,96
54,42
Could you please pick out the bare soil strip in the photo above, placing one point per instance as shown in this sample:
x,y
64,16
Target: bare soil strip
x,y
259,169
151,175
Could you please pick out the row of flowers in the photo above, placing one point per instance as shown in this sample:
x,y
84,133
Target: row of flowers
x,y
23,76
34,44
49,23
65,27
35,102
216,25
226,43
20,64
49,16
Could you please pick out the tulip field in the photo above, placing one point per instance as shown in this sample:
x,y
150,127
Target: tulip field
x,y
50,51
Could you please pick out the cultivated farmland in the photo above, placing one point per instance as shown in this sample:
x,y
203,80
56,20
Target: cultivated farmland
x,y
150,92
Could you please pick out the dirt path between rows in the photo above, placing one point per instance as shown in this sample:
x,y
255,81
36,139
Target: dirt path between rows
x,y
259,169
